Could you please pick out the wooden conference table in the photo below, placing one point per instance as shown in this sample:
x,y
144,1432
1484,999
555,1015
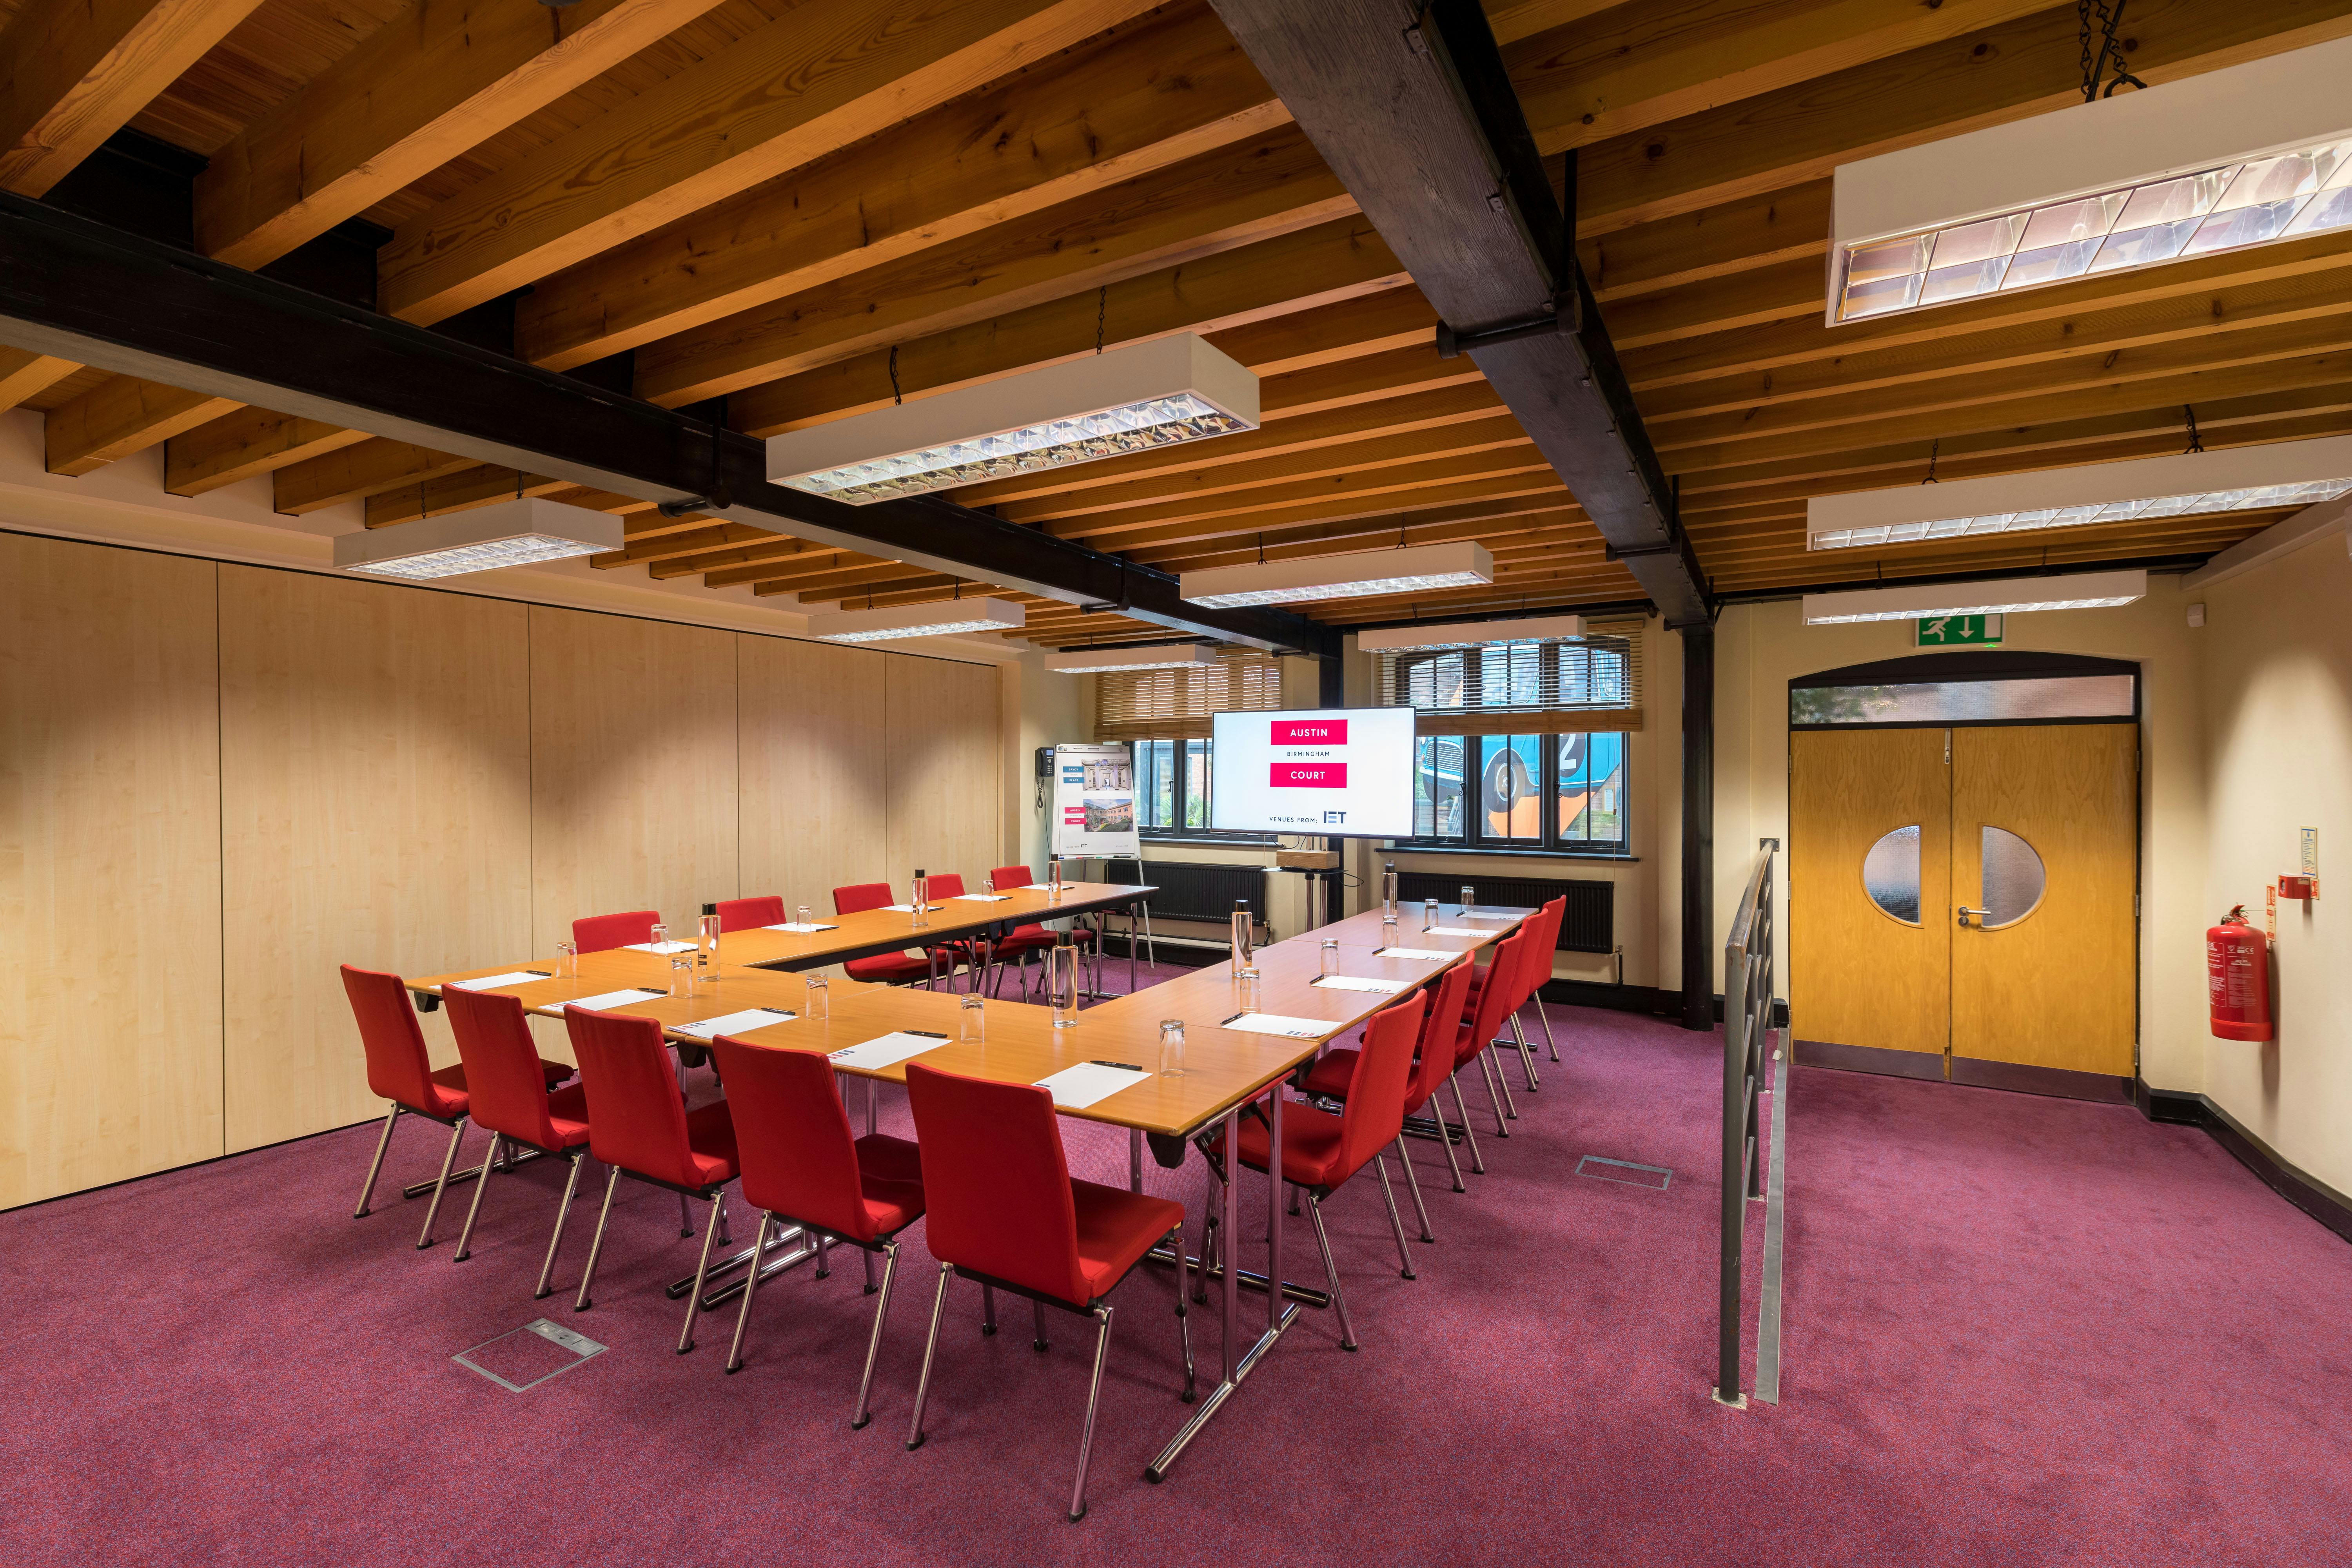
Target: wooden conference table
x,y
1225,1070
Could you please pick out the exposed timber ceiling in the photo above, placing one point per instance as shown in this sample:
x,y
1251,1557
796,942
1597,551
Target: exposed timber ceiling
x,y
785,205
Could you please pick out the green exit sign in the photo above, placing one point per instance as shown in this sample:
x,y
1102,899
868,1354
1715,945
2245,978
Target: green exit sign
x,y
1955,630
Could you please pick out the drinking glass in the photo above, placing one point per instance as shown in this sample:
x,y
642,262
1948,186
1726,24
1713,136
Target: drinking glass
x,y
1171,1048
1429,915
1469,899
802,917
1389,929
816,1001
1331,957
681,974
972,1018
1248,992
567,960
660,937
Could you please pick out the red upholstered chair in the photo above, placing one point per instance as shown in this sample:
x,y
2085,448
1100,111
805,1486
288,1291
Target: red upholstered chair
x,y
1004,1210
1333,1076
801,1165
638,1124
399,1071
1494,1004
884,969
971,952
746,914
1022,940
598,933
507,1086
1320,1151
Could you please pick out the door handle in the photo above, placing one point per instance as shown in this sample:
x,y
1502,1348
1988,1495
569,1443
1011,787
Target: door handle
x,y
1966,912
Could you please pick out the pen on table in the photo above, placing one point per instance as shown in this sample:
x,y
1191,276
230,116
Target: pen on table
x,y
1236,1018
926,1034
1128,1066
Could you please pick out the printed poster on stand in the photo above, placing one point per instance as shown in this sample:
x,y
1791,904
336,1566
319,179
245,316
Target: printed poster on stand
x,y
1094,803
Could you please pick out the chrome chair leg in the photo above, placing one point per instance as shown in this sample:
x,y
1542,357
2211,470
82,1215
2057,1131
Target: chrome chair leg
x,y
874,1343
376,1166
1331,1275
1412,1185
869,1273
751,1287
1445,1142
702,1275
1040,1344
596,1247
725,1239
562,1213
1527,1053
441,1187
685,1218
1396,1223
1545,1018
931,1349
1502,1082
1469,1134
1486,1071
473,1209
987,1309
1094,1402
1183,1315
824,1255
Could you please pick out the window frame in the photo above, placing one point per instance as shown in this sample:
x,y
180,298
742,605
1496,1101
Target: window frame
x,y
1180,795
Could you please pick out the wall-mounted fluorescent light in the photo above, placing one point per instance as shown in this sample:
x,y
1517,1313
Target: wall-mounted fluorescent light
x,y
919,620
513,533
1470,633
2235,479
2009,596
1145,396
1418,570
2217,162
1166,656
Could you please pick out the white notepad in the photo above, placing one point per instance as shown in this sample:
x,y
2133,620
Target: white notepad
x,y
736,1023
1475,916
661,946
1076,1088
1276,1023
511,977
1429,955
909,909
605,1001
1357,983
1041,887
796,926
887,1050
985,897
1454,931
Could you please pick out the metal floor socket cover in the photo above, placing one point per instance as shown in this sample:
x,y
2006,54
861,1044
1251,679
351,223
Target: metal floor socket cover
x,y
528,1356
1664,1176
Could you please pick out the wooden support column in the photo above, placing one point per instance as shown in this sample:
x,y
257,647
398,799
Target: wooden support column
x,y
1698,825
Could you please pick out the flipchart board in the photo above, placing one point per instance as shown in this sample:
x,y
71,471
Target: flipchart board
x,y
1094,803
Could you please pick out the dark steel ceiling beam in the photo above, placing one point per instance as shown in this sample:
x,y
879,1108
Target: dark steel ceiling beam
x,y
1411,107
82,291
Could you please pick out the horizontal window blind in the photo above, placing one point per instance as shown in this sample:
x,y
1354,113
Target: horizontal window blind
x,y
1177,705
1589,683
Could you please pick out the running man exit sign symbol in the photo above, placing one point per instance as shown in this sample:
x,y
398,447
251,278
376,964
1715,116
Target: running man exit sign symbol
x,y
1955,630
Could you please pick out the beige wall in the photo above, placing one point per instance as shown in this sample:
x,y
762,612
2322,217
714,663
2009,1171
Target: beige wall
x,y
218,782
2276,653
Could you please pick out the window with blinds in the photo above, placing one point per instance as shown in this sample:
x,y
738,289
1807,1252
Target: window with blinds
x,y
1593,682
1139,705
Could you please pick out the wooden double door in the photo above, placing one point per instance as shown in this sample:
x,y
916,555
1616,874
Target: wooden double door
x,y
1968,893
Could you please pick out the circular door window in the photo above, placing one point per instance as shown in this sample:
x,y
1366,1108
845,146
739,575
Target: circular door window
x,y
1890,874
2014,879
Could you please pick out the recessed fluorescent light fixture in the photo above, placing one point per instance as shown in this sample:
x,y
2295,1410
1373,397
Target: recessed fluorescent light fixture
x,y
1145,395
2009,596
1470,633
1166,656
919,620
2238,479
512,533
1420,569
2228,159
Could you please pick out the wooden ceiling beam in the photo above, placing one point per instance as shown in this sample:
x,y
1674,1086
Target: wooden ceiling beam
x,y
1478,521
1766,229
764,566
484,486
1142,98
828,73
1516,466
1339,259
121,415
25,374
438,80
246,444
356,471
73,72
712,536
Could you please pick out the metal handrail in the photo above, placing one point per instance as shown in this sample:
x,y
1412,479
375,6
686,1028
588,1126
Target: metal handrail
x,y
1749,969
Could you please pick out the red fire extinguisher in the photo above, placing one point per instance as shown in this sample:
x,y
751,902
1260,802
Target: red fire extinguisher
x,y
2238,978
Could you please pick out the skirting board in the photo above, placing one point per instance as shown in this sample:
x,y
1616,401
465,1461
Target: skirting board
x,y
1972,1072
2299,1186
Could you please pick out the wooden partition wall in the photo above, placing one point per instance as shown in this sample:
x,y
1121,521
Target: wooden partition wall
x,y
218,782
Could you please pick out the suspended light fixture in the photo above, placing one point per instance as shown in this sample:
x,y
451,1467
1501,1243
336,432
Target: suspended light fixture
x,y
1470,633
933,619
485,539
2009,596
2242,156
2236,479
1418,568
1145,395
1160,656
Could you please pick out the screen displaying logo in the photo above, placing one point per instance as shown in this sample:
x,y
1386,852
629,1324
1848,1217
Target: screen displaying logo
x,y
1311,732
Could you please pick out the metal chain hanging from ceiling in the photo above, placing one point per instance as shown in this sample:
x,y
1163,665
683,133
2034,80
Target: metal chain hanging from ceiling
x,y
2099,18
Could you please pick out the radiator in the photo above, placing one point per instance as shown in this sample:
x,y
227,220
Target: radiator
x,y
1189,891
1587,925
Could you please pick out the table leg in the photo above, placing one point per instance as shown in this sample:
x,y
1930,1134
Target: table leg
x,y
1135,1159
